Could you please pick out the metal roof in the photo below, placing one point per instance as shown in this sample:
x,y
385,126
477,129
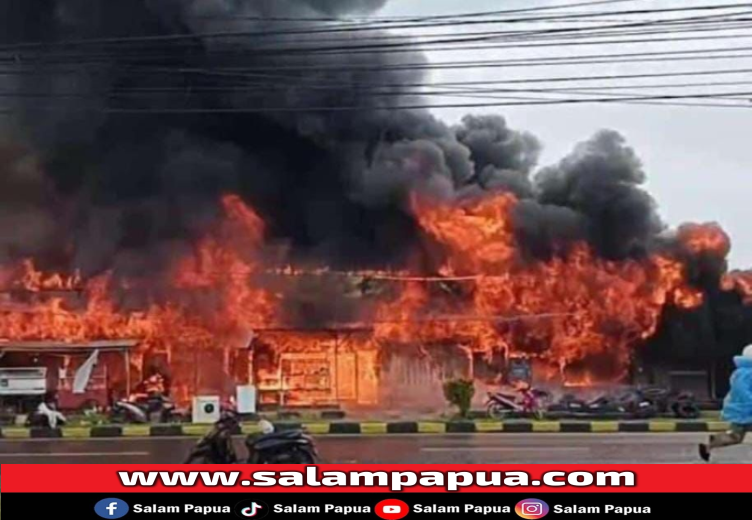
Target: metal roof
x,y
61,346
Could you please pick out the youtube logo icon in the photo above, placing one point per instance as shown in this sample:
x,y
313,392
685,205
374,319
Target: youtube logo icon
x,y
391,509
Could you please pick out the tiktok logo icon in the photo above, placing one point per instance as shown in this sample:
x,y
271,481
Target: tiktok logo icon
x,y
251,509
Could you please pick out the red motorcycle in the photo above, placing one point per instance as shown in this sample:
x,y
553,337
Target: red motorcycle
x,y
527,402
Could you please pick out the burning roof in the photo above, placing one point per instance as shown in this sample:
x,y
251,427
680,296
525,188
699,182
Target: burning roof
x,y
61,346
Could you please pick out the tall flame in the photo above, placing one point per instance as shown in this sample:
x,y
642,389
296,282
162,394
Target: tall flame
x,y
578,316
577,309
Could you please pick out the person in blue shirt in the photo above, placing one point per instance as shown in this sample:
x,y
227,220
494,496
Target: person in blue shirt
x,y
737,407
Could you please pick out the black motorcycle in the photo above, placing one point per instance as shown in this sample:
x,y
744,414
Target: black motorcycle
x,y
216,447
654,401
603,406
638,405
286,447
155,408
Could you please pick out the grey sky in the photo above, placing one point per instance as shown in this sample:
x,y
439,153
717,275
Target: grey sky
x,y
697,159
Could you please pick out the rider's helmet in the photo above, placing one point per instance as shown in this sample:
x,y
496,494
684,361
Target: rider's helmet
x,y
747,352
266,427
228,415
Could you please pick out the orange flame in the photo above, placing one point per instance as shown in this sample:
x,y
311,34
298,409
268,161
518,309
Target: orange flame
x,y
741,282
578,315
566,311
705,238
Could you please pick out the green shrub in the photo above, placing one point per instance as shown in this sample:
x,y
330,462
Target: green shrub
x,y
459,393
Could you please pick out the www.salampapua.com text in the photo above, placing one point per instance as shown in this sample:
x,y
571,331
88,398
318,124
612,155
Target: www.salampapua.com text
x,y
394,480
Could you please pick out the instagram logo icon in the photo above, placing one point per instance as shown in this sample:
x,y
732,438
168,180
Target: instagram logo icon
x,y
531,509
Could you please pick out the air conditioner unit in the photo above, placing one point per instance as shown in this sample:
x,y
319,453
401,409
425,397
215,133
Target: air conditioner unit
x,y
206,409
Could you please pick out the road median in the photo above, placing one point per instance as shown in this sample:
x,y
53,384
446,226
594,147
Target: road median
x,y
347,428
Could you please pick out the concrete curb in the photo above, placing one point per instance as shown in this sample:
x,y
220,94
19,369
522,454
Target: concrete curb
x,y
374,428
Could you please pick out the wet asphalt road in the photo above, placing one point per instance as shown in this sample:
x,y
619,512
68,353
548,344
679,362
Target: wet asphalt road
x,y
528,448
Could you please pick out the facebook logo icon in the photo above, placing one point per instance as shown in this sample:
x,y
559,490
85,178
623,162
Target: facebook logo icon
x,y
111,508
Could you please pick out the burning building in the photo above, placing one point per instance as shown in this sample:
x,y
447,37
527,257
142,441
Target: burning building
x,y
170,175
227,314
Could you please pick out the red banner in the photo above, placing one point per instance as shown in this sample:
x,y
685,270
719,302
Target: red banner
x,y
107,478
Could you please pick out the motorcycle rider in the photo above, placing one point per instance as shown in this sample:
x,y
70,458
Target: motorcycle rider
x,y
266,427
150,402
216,447
737,407
154,385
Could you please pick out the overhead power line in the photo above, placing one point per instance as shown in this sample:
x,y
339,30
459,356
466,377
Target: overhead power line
x,y
284,82
374,108
417,39
380,19
14,61
277,33
465,39
492,40
374,92
673,25
495,40
481,64
448,92
158,60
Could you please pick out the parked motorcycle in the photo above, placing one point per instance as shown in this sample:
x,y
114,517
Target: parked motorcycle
x,y
684,406
268,447
144,409
650,402
568,405
603,406
635,403
528,402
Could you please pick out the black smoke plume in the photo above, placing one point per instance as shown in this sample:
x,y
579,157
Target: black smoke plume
x,y
125,121
131,186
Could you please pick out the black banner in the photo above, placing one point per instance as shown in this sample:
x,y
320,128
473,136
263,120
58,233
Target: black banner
x,y
313,506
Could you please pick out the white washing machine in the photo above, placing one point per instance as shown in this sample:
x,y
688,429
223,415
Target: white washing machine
x,y
206,409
